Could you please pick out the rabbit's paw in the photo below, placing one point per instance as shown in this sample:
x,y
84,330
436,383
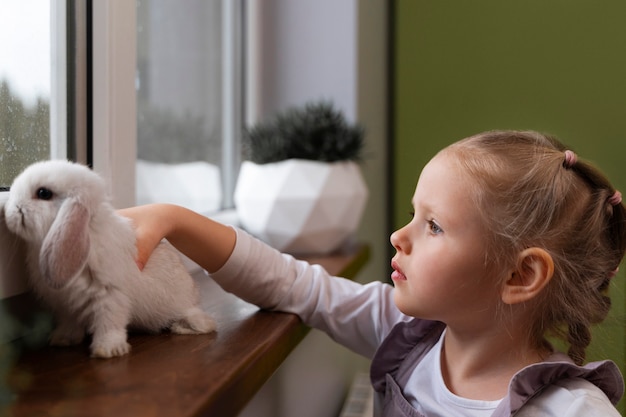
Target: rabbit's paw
x,y
109,345
104,351
195,322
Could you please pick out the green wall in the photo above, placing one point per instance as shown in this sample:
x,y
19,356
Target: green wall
x,y
559,66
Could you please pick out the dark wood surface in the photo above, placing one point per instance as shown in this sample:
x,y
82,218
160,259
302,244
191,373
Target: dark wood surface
x,y
165,374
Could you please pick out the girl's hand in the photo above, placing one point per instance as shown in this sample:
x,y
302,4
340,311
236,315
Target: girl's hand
x,y
151,226
206,242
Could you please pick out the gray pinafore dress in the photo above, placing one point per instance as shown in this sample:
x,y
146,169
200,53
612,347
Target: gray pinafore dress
x,y
408,343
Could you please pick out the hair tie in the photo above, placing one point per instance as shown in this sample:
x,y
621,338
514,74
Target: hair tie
x,y
570,159
615,199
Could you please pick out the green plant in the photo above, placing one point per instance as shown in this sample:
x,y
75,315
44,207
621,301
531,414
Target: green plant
x,y
315,131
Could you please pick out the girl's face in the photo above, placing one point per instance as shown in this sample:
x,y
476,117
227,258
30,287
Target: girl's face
x,y
439,266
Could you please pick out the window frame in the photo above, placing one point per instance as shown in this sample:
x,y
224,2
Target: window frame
x,y
70,86
113,97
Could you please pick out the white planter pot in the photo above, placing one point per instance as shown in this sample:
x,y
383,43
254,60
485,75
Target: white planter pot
x,y
300,206
195,185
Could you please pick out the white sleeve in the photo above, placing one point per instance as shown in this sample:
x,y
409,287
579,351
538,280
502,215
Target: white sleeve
x,y
591,406
573,397
355,315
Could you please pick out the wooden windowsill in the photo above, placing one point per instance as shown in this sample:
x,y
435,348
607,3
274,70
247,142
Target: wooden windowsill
x,y
165,374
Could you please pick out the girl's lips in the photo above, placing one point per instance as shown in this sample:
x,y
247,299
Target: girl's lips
x,y
397,274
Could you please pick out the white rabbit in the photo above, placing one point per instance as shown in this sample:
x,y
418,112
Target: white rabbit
x,y
81,261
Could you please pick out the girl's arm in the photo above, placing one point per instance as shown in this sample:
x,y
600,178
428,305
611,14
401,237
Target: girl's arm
x,y
206,242
357,316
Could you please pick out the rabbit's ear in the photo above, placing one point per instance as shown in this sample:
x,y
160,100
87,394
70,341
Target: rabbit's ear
x,y
65,248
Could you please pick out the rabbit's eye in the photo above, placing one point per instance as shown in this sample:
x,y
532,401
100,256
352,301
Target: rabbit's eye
x,y
44,193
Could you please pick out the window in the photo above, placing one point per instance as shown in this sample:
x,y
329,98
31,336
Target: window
x,y
43,87
25,84
70,88
187,96
34,100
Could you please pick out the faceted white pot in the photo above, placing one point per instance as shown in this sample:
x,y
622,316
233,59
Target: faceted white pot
x,y
195,185
300,206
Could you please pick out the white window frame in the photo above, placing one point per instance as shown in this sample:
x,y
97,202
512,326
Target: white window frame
x,y
114,126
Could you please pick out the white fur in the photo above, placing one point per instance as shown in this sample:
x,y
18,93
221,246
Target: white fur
x,y
86,272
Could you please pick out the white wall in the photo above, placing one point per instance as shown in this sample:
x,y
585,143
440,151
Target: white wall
x,y
305,50
336,50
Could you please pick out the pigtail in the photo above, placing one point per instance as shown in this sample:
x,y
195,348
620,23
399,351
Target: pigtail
x,y
617,223
579,338
604,228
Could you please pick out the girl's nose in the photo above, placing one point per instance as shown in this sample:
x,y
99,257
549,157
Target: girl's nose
x,y
399,241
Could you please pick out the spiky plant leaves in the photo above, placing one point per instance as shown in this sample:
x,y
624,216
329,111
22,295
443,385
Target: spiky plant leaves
x,y
316,131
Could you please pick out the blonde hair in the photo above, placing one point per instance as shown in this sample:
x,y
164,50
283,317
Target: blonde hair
x,y
532,193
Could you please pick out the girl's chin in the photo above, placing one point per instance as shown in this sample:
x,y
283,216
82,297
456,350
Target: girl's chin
x,y
405,306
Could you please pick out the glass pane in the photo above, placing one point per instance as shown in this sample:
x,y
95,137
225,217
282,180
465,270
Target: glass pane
x,y
179,98
24,85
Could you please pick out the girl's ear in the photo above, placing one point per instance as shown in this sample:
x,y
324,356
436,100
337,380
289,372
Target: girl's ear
x,y
534,270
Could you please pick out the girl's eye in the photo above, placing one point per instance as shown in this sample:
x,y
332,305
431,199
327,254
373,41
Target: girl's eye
x,y
412,214
434,227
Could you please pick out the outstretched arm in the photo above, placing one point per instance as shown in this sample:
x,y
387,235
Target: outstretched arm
x,y
355,315
206,242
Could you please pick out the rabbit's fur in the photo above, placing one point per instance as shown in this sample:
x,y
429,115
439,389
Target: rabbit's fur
x,y
81,261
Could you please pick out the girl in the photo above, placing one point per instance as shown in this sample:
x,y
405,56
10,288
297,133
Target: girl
x,y
512,239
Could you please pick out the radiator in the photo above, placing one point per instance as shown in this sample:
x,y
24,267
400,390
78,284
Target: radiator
x,y
359,402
